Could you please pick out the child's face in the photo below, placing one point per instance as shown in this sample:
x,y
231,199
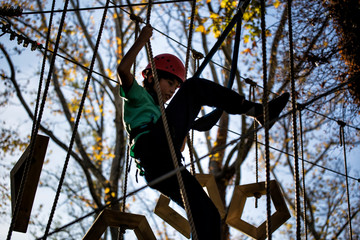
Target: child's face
x,y
168,87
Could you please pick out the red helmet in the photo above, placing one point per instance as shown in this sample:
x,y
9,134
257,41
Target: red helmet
x,y
168,63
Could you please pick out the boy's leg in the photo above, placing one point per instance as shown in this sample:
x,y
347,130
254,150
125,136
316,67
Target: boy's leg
x,y
195,93
156,161
205,215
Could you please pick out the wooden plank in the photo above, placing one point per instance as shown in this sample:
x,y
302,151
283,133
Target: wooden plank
x,y
30,187
112,218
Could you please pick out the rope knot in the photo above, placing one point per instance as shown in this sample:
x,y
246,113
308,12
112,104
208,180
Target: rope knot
x,y
135,18
257,196
251,82
300,106
197,55
341,123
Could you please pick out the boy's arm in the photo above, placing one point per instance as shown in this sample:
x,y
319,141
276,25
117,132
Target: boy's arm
x,y
124,74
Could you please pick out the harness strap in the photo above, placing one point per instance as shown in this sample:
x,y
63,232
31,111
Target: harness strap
x,y
143,128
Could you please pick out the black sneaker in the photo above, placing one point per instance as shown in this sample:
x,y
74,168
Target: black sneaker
x,y
275,108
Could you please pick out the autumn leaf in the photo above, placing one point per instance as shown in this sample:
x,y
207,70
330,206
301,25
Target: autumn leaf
x,y
200,28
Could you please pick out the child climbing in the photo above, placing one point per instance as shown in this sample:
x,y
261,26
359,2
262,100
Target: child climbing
x,y
143,122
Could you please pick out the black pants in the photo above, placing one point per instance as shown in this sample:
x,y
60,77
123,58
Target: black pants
x,y
155,157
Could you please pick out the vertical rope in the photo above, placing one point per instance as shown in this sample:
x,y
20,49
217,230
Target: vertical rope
x,y
168,135
36,121
266,119
188,50
342,142
78,117
137,27
256,147
190,144
121,230
303,171
190,37
294,127
43,68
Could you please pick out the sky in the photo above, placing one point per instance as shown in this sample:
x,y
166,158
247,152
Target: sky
x,y
31,60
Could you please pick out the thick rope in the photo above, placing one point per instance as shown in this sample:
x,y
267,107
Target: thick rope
x,y
257,196
190,143
303,173
266,120
122,229
342,142
43,69
168,135
191,28
78,117
294,128
36,122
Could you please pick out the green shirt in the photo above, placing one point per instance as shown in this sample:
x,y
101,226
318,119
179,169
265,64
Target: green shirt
x,y
139,108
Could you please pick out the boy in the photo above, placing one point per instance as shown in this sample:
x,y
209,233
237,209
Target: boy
x,y
143,122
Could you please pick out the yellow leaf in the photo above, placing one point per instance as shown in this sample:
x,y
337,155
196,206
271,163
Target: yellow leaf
x,y
214,15
217,33
246,16
107,190
276,3
223,4
246,38
200,29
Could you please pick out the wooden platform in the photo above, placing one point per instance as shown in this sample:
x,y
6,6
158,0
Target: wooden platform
x,y
112,218
241,193
16,174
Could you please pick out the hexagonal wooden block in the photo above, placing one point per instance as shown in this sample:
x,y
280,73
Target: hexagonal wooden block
x,y
30,186
241,193
174,219
112,218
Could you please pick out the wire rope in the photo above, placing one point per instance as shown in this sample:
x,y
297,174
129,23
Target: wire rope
x,y
102,7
